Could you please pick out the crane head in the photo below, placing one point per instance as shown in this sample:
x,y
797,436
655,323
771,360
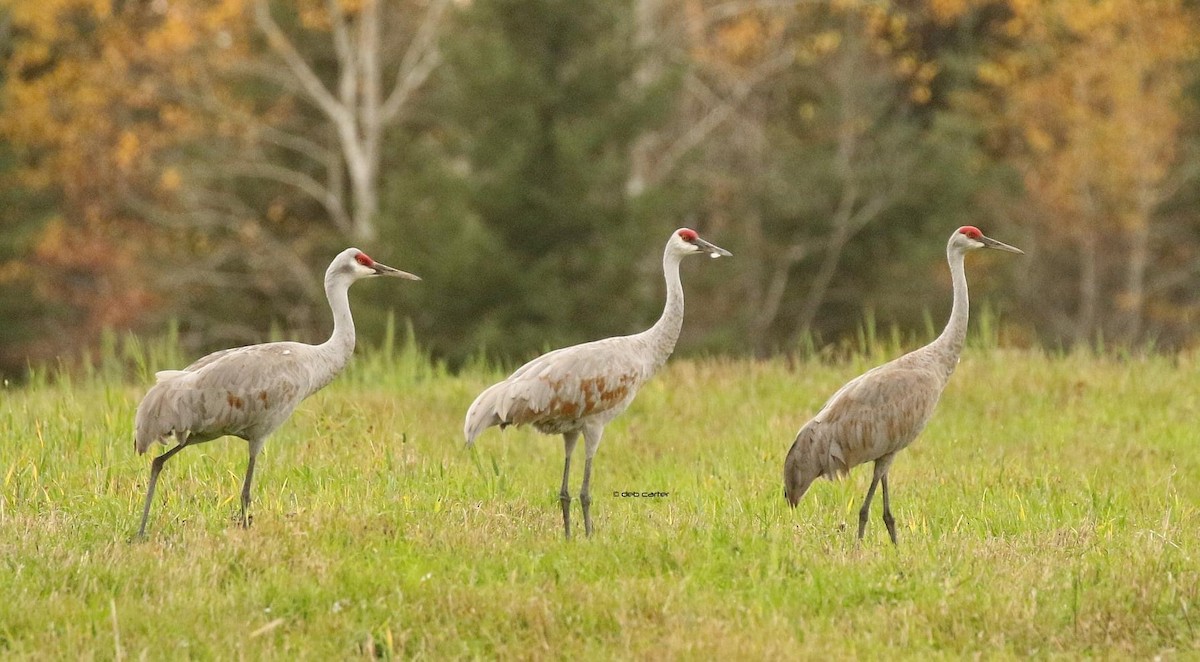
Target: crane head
x,y
357,264
686,241
968,237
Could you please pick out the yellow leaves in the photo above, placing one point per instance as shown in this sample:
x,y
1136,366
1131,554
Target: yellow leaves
x,y
927,71
1091,91
808,111
906,65
314,17
127,150
741,39
1088,17
174,35
945,12
826,42
818,45
52,239
12,271
1023,7
1039,140
170,180
993,73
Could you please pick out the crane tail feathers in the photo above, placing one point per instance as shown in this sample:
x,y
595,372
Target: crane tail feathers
x,y
802,466
152,422
167,375
482,414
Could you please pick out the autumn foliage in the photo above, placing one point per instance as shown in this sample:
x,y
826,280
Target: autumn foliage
x,y
201,161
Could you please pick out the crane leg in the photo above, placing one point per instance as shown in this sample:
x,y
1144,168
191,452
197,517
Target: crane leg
x,y
865,511
888,520
591,438
564,495
879,476
246,488
155,467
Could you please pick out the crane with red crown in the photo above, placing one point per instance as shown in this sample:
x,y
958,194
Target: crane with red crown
x,y
881,412
250,391
579,389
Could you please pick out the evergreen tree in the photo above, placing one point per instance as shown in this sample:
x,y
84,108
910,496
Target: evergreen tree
x,y
537,112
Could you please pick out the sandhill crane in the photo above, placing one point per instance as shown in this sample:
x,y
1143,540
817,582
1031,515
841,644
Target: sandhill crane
x,y
248,392
879,413
581,388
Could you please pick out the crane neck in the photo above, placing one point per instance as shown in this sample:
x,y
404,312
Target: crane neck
x,y
341,342
949,345
665,332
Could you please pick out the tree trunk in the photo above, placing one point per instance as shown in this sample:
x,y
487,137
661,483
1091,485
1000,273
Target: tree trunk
x,y
357,108
1139,259
1089,288
645,14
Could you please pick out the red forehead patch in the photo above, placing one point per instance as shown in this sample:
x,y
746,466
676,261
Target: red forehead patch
x,y
364,260
688,235
970,231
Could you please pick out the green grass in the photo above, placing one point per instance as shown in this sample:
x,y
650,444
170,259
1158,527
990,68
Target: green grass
x,y
1049,509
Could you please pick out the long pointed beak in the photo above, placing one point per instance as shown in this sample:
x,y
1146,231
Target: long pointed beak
x,y
385,270
712,249
988,242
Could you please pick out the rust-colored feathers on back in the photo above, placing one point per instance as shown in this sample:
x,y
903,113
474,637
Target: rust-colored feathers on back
x,y
557,391
245,392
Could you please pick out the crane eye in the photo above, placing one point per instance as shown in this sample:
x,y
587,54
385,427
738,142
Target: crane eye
x,y
364,259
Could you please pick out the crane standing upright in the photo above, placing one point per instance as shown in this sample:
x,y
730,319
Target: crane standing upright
x,y
579,389
880,412
250,391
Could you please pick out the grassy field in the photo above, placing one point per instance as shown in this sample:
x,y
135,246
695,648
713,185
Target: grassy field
x,y
1050,509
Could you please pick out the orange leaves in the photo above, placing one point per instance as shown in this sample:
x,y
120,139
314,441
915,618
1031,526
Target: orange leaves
x,y
1104,91
174,35
90,268
170,180
945,12
1089,99
743,40
93,111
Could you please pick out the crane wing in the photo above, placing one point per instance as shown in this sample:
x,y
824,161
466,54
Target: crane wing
x,y
216,356
877,413
567,384
571,383
243,391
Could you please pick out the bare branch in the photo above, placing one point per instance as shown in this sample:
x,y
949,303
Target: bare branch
x,y
368,65
716,117
277,173
777,287
304,74
347,81
727,10
419,61
209,100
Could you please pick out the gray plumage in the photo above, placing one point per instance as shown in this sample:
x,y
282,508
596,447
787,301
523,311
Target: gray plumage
x,y
248,392
881,412
579,389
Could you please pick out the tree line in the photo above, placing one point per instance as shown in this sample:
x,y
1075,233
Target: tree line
x,y
202,162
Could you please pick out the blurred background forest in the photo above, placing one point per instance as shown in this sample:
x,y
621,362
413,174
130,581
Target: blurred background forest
x,y
200,163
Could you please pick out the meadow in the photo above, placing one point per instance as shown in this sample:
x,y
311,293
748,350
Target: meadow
x,y
1050,509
